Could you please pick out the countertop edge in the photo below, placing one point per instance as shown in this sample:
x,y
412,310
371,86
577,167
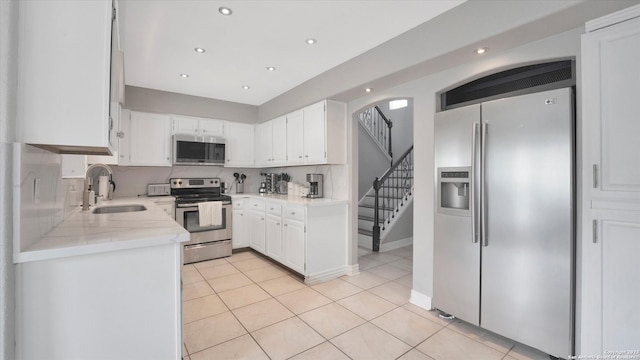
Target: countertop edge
x,y
293,200
176,235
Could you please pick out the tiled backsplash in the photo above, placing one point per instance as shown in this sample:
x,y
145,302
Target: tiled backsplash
x,y
132,181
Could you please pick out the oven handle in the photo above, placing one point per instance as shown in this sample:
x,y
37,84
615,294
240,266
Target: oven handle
x,y
191,205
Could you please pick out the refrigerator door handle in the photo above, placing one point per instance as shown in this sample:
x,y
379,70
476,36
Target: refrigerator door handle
x,y
483,198
474,225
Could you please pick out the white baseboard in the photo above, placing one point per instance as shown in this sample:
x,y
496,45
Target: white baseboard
x,y
396,244
392,245
330,274
420,300
353,270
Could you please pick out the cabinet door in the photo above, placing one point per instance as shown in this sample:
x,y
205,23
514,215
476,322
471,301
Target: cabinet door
x,y
611,107
239,238
64,74
263,136
314,134
294,245
211,127
257,231
239,149
113,159
611,281
185,125
279,141
295,138
150,139
274,237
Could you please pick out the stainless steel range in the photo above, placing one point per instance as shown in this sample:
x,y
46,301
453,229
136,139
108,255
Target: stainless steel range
x,y
210,241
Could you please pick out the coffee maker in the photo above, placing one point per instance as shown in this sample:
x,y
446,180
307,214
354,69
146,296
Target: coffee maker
x,y
315,185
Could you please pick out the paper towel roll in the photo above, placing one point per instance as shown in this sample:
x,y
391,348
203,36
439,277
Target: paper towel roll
x,y
103,186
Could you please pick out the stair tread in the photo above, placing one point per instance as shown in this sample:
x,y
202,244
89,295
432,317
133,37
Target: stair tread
x,y
365,232
368,218
372,207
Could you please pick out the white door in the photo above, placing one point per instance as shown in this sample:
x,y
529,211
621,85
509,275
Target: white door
x,y
239,148
150,139
294,245
239,238
274,237
279,141
257,230
315,134
264,151
295,138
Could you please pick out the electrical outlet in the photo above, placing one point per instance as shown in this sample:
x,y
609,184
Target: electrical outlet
x,y
36,191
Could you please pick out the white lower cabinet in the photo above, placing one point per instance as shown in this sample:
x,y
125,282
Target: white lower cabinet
x,y
274,237
123,304
239,224
310,240
294,245
257,225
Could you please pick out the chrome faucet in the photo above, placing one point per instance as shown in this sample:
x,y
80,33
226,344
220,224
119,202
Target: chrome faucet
x,y
85,193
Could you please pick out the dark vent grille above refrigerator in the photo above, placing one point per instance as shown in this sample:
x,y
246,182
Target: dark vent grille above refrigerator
x,y
516,81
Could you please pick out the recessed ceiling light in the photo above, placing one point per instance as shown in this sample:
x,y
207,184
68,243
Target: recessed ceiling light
x,y
481,50
225,10
184,75
246,87
271,68
310,41
368,90
199,50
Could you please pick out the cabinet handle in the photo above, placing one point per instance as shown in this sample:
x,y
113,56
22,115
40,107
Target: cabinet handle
x,y
286,225
262,219
278,224
167,158
300,157
595,176
306,156
595,231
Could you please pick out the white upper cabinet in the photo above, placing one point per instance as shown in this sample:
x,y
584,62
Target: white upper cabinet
x,y
610,91
271,142
64,74
295,138
197,126
279,141
317,134
147,139
239,145
264,143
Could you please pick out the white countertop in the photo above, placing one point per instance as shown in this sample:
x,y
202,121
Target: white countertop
x,y
292,199
84,232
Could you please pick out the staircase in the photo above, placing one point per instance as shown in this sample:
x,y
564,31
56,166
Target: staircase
x,y
378,126
386,201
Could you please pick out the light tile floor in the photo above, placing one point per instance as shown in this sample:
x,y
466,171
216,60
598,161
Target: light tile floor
x,y
245,307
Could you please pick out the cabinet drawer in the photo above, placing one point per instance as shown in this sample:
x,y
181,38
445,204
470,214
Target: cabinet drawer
x,y
294,213
257,205
238,204
274,209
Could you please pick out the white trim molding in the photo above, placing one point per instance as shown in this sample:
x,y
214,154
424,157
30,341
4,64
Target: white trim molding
x,y
421,300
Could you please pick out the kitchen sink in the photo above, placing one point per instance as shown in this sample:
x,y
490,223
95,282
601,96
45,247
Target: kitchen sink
x,y
118,209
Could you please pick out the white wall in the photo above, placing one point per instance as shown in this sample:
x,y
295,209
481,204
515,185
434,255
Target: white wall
x,y
141,99
8,110
424,91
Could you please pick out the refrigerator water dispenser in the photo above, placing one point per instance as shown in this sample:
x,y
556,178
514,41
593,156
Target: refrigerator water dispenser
x,y
454,191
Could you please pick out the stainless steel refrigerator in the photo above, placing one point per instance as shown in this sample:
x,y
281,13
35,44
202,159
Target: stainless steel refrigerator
x,y
504,224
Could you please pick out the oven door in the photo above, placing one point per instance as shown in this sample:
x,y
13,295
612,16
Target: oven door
x,y
188,217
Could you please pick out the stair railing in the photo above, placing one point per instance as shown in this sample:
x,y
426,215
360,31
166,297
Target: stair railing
x,y
379,126
392,189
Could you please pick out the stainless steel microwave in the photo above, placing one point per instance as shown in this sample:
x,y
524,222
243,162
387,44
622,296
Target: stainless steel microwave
x,y
198,150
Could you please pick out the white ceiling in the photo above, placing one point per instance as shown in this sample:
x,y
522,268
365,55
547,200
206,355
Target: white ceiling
x,y
159,37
